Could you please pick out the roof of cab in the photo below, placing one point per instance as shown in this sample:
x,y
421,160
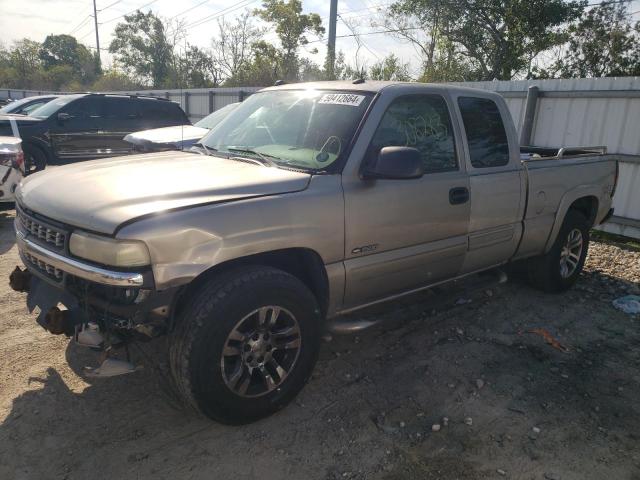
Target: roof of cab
x,y
374,86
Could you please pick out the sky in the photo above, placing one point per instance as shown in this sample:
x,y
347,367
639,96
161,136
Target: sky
x,y
35,19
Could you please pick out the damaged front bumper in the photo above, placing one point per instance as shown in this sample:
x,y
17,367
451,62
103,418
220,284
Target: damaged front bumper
x,y
122,302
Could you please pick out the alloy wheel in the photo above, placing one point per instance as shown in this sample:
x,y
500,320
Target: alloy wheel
x,y
571,253
260,351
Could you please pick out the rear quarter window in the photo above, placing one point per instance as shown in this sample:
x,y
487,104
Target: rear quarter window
x,y
161,113
486,135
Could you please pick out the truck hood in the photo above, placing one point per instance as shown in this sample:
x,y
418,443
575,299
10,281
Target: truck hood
x,y
100,195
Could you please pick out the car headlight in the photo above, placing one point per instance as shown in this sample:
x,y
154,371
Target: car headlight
x,y
107,251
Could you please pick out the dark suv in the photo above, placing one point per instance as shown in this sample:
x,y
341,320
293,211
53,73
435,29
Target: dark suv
x,y
87,126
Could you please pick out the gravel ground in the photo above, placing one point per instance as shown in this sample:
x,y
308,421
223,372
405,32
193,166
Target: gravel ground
x,y
440,390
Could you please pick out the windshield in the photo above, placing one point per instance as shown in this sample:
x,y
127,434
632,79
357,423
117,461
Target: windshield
x,y
216,117
48,109
10,107
306,129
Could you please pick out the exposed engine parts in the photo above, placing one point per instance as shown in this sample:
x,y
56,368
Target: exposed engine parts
x,y
59,322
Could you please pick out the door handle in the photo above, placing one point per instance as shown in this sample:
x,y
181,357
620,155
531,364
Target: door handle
x,y
458,195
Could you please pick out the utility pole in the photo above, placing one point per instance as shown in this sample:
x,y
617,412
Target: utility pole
x,y
331,47
95,21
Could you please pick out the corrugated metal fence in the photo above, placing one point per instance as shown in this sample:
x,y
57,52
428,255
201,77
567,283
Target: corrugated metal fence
x,y
571,112
196,102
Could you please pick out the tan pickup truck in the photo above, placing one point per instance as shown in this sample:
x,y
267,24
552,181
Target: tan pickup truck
x,y
306,202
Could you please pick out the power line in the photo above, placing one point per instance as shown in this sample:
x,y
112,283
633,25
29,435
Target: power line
x,y
372,7
609,3
371,33
110,5
219,13
191,8
80,25
360,41
129,13
85,35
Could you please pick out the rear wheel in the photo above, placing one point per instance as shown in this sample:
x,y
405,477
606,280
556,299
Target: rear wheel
x,y
559,268
35,159
246,344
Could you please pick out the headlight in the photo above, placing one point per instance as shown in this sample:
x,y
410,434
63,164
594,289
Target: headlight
x,y
107,251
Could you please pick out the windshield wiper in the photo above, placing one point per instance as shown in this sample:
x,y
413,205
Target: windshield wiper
x,y
264,157
207,150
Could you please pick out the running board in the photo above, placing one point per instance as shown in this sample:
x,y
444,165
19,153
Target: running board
x,y
344,325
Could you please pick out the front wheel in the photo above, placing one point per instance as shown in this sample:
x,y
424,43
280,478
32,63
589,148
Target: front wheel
x,y
246,344
558,269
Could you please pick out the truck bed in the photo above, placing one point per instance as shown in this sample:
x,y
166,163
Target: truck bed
x,y
555,178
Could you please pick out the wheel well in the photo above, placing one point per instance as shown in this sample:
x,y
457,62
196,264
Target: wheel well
x,y
587,206
35,146
303,263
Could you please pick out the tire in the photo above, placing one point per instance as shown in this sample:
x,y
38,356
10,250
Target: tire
x,y
205,356
35,159
549,272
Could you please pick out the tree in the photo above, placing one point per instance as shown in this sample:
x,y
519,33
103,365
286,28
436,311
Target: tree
x,y
605,42
292,28
197,68
344,71
499,39
144,46
390,68
308,71
264,68
25,62
64,50
113,80
233,46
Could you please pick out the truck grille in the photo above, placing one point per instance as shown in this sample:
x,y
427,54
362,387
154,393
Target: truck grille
x,y
49,270
46,233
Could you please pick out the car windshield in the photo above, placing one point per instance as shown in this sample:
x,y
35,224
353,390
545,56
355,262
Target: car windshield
x,y
48,109
307,129
10,107
216,117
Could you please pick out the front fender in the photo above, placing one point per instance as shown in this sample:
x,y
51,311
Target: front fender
x,y
187,242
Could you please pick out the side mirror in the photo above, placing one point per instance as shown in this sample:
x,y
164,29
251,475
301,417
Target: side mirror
x,y
396,163
63,117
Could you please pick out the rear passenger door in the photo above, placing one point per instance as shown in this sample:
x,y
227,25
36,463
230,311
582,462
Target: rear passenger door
x,y
406,234
121,118
496,182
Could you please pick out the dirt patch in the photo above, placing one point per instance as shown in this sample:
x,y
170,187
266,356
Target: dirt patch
x,y
516,407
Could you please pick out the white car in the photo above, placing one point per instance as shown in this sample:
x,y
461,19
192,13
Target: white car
x,y
11,167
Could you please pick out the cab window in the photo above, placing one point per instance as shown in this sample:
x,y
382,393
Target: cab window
x,y
486,135
421,122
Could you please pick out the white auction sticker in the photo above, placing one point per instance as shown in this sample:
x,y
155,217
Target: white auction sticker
x,y
342,99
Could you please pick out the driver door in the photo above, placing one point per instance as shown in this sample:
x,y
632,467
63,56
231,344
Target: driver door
x,y
406,234
78,136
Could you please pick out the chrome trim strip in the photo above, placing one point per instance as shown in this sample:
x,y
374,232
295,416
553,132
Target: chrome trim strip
x,y
78,269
